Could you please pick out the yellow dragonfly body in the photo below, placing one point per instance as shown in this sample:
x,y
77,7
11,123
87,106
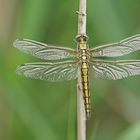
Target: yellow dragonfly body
x,y
84,66
62,63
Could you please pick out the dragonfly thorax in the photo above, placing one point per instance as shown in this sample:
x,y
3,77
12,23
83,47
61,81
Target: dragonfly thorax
x,y
83,51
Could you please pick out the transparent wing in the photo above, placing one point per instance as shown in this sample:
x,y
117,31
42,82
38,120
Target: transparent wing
x,y
123,47
114,70
53,72
44,51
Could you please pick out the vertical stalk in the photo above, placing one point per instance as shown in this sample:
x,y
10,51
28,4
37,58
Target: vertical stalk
x,y
82,18
81,115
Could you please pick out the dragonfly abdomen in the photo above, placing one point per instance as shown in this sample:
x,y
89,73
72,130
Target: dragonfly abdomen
x,y
85,84
85,81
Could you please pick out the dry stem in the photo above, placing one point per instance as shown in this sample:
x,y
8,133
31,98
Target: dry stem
x,y
81,116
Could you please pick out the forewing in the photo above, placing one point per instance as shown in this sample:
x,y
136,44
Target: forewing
x,y
53,72
44,51
121,48
114,70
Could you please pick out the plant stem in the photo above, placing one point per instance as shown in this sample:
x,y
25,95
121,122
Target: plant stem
x,y
82,18
81,115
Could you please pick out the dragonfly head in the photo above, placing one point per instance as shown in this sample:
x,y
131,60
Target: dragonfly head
x,y
82,41
82,38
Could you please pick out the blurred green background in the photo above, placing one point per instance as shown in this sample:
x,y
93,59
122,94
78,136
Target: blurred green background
x,y
37,110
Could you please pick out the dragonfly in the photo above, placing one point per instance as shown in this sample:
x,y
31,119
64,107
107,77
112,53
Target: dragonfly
x,y
63,63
